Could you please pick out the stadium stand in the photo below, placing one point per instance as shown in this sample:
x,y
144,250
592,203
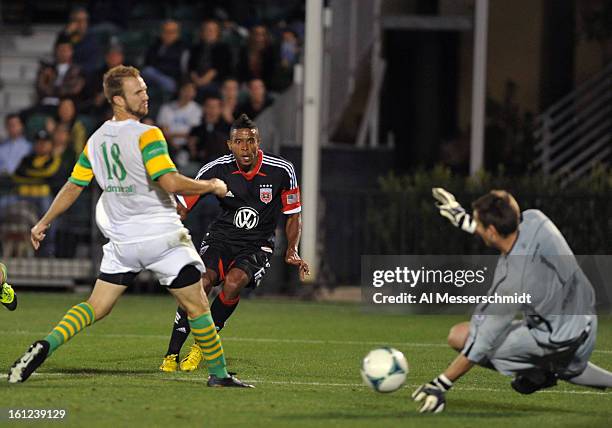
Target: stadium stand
x,y
100,37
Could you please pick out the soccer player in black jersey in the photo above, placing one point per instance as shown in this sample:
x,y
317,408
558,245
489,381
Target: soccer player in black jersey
x,y
239,243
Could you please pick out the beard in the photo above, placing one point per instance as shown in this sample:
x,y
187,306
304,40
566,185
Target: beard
x,y
138,113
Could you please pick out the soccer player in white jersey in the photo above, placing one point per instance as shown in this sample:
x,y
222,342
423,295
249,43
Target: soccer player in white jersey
x,y
137,213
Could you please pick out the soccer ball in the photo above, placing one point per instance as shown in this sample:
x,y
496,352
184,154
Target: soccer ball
x,y
384,369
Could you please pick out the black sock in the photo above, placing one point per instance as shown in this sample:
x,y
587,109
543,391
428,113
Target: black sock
x,y
222,308
180,331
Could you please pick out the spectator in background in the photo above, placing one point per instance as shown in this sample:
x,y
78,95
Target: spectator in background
x,y
110,15
15,147
59,79
36,171
289,56
65,241
232,34
96,101
176,120
258,58
34,177
257,101
87,51
66,116
230,94
209,140
62,147
165,59
210,61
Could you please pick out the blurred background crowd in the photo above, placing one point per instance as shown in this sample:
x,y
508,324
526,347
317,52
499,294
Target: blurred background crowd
x,y
203,67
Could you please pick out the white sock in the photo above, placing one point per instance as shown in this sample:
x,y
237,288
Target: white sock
x,y
593,376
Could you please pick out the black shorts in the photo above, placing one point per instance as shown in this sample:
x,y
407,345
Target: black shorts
x,y
222,257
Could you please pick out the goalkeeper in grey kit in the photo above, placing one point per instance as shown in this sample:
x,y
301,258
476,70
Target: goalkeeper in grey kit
x,y
556,335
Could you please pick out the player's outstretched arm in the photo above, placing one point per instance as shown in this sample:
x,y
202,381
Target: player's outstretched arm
x,y
64,199
431,394
452,210
293,229
173,182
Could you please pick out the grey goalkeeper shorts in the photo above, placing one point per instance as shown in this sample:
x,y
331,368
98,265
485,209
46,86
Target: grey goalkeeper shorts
x,y
519,353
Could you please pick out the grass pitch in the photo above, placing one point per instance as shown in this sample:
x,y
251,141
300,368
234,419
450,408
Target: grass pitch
x,y
303,357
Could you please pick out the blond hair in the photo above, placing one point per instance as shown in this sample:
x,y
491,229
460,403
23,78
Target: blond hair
x,y
113,80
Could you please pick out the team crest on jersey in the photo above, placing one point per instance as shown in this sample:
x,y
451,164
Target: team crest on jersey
x,y
265,193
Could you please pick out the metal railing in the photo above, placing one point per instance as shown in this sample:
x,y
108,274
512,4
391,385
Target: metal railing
x,y
575,134
353,41
67,256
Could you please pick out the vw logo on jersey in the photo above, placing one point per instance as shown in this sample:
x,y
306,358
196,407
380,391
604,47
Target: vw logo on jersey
x,y
246,218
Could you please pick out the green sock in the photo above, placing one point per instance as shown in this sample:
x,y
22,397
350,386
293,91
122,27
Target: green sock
x,y
205,334
75,320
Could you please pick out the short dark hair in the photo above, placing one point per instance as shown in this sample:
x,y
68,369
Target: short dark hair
x,y
76,10
12,116
210,21
62,39
212,97
499,209
185,83
243,122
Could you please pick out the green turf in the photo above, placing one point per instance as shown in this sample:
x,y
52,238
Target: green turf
x,y
303,357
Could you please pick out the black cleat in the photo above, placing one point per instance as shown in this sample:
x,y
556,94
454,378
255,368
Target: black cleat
x,y
230,381
23,368
532,382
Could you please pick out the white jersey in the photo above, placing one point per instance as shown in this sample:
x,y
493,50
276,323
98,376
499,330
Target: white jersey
x,y
127,157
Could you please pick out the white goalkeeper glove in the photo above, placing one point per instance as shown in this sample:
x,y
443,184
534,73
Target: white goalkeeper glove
x,y
432,394
452,210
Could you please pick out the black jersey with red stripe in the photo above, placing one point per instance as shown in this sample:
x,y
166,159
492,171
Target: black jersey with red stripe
x,y
254,201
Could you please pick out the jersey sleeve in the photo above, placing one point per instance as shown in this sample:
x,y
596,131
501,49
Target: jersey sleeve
x,y
290,193
155,155
82,173
208,171
188,201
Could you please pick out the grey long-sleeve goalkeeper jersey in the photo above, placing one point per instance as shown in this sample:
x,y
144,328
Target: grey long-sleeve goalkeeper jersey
x,y
541,264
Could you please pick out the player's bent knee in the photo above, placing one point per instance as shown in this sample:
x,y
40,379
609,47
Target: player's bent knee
x,y
187,276
231,289
235,281
458,335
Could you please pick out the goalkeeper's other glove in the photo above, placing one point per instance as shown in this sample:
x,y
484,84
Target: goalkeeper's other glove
x,y
432,394
452,210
